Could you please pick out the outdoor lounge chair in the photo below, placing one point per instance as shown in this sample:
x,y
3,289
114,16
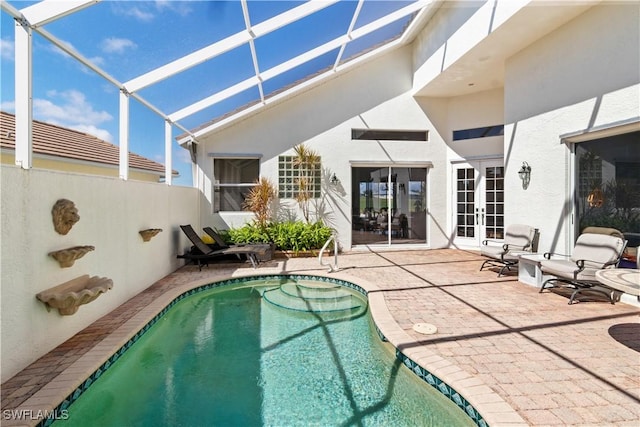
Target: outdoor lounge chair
x,y
219,241
202,253
596,248
518,239
265,252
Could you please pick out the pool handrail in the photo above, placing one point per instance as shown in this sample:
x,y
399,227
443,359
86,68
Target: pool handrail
x,y
334,267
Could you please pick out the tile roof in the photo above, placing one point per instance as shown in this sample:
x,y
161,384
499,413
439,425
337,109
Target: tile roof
x,y
67,143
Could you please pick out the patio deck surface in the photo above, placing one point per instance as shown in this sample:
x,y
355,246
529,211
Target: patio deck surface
x,y
520,357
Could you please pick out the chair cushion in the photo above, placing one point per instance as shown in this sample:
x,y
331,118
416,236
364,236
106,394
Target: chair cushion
x,y
519,236
492,251
565,269
597,249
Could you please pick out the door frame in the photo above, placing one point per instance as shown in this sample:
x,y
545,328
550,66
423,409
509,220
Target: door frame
x,y
480,211
388,237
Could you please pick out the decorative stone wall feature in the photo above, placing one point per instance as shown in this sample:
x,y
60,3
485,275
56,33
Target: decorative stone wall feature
x,y
65,215
149,233
70,295
66,257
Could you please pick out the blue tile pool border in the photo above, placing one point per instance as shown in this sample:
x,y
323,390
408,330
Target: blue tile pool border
x,y
418,370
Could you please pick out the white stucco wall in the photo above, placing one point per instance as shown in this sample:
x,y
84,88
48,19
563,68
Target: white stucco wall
x,y
582,75
456,28
111,214
373,95
476,110
446,115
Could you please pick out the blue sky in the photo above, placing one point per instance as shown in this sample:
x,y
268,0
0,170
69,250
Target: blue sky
x,y
129,38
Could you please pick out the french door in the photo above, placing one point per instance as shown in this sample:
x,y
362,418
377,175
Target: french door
x,y
478,198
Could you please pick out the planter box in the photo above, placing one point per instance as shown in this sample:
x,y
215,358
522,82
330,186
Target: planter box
x,y
300,254
268,255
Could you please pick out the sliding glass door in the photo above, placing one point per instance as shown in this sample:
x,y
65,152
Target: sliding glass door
x,y
389,205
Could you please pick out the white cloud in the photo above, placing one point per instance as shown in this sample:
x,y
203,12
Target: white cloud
x,y
117,45
8,106
144,13
182,155
72,110
140,14
136,12
7,49
55,49
103,134
180,7
97,60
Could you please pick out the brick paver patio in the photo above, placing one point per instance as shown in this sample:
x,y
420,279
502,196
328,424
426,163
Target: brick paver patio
x,y
520,357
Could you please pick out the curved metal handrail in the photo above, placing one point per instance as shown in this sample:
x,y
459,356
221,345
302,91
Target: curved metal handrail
x,y
333,267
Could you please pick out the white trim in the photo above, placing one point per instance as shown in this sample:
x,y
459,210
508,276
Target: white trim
x,y
48,11
168,157
235,155
602,131
476,158
124,135
23,95
390,163
393,246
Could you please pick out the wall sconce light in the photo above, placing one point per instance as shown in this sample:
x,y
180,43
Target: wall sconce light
x,y
525,174
334,180
402,188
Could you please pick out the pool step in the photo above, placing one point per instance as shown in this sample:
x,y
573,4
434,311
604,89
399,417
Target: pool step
x,y
314,293
312,298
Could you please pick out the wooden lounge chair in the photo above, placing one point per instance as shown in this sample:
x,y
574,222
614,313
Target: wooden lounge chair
x,y
596,249
518,239
202,253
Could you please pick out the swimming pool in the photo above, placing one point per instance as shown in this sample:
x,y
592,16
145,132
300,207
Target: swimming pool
x,y
248,355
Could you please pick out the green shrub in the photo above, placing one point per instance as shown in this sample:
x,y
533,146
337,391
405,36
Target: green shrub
x,y
249,233
289,236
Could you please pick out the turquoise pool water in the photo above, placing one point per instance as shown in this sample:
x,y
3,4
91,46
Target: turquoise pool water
x,y
276,353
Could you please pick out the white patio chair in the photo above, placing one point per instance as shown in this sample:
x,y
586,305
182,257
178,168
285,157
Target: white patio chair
x,y
518,238
595,249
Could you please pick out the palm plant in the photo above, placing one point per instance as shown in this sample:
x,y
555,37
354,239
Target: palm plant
x,y
306,161
260,201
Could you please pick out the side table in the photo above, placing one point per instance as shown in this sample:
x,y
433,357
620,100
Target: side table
x,y
529,271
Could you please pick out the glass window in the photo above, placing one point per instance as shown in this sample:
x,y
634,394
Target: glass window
x,y
232,180
293,178
608,185
483,132
389,135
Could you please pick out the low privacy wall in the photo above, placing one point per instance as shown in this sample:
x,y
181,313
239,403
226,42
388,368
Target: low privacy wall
x,y
112,212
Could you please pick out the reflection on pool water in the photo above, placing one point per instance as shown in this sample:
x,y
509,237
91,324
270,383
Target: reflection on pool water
x,y
279,352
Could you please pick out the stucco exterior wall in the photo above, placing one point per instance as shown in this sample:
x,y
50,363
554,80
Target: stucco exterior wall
x,y
454,30
580,76
373,95
476,110
445,116
111,214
